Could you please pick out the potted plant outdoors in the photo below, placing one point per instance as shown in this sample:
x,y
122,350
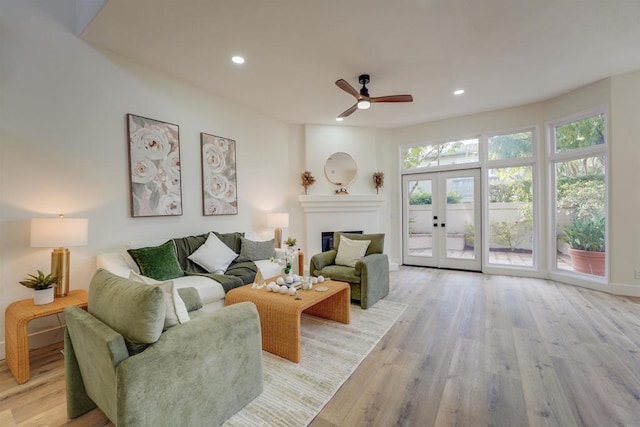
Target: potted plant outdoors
x,y
585,236
42,286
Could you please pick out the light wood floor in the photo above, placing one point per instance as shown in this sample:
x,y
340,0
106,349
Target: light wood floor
x,y
470,350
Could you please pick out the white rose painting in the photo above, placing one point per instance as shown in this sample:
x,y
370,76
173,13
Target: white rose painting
x,y
219,196
154,157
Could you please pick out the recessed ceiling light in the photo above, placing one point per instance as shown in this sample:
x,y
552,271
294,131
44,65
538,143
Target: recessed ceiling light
x,y
458,92
339,119
238,59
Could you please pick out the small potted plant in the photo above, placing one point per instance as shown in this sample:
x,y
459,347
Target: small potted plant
x,y
586,239
42,286
291,242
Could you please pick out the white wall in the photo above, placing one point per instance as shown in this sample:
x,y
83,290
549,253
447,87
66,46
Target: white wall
x,y
624,174
365,145
63,147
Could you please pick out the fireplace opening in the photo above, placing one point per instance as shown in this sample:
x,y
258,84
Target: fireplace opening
x,y
327,239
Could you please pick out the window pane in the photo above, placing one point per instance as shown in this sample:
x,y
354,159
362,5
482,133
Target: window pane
x,y
513,146
419,157
511,216
580,134
458,152
580,190
419,218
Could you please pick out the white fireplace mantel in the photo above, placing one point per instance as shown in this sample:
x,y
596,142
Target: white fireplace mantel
x,y
341,203
324,213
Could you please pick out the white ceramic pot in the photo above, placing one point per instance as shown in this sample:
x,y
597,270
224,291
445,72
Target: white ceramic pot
x,y
43,296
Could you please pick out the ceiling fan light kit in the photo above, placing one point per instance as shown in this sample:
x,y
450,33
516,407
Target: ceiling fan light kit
x,y
363,100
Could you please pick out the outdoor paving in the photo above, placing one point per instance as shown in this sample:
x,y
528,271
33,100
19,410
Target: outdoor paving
x,y
520,259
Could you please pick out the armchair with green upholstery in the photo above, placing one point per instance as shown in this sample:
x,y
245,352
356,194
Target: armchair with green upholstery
x,y
118,358
369,279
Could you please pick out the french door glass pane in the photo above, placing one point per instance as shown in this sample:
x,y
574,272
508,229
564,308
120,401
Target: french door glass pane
x,y
580,216
511,216
460,217
420,218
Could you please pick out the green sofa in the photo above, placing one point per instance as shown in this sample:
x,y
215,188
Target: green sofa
x,y
369,279
119,358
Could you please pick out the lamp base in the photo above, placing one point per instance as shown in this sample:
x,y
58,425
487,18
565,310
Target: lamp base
x,y
60,258
278,238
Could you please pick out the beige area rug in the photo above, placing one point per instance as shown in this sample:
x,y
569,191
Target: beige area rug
x,y
294,393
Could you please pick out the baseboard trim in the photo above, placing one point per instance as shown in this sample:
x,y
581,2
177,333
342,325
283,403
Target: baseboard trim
x,y
39,339
625,289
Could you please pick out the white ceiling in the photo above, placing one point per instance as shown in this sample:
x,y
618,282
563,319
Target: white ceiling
x,y
502,52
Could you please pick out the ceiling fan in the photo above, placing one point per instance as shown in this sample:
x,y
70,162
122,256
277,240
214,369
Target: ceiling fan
x,y
363,100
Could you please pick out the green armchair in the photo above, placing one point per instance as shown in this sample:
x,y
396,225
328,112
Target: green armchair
x,y
369,279
198,373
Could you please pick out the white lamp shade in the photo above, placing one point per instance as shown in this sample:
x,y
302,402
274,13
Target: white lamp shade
x,y
278,220
59,232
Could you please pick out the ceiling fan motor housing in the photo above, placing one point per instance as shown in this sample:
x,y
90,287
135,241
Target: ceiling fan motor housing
x,y
364,79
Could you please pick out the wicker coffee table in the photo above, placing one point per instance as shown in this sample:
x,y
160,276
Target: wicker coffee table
x,y
280,314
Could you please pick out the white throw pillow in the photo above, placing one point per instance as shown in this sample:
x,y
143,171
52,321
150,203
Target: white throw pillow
x,y
351,251
214,256
176,310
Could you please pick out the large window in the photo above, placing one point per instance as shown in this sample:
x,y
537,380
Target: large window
x,y
443,154
578,174
510,172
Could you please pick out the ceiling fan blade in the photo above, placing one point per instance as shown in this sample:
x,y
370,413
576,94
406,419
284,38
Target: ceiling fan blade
x,y
349,111
392,98
342,84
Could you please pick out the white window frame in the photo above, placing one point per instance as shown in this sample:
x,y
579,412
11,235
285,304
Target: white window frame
x,y
551,161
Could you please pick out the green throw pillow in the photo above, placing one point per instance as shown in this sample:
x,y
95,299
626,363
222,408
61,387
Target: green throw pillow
x,y
158,262
191,298
134,310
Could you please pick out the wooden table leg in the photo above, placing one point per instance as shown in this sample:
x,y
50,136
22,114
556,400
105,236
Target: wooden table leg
x,y
17,348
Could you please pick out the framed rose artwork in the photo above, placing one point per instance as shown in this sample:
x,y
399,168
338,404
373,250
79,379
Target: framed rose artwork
x,y
219,181
154,165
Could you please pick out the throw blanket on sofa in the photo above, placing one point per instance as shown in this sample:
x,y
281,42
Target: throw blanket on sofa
x,y
237,274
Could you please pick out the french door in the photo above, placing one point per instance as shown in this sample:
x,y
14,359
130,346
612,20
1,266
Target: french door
x,y
442,219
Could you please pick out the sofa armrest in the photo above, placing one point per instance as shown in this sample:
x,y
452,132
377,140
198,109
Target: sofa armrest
x,y
94,350
374,278
321,260
212,365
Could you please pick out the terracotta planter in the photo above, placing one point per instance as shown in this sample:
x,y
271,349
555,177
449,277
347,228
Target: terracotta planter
x,y
588,262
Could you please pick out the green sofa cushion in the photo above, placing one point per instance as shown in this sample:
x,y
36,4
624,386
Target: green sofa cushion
x,y
134,310
158,262
341,273
233,240
191,298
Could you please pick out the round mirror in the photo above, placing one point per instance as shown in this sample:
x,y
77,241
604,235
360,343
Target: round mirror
x,y
340,169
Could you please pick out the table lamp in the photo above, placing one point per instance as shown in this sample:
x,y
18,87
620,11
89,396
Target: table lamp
x,y
278,221
58,233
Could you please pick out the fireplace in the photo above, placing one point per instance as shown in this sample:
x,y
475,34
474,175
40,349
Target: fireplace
x,y
327,239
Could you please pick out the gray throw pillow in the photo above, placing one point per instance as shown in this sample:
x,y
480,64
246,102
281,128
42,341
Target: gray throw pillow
x,y
255,251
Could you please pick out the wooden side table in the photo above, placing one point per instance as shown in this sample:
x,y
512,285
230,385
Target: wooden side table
x,y
16,319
